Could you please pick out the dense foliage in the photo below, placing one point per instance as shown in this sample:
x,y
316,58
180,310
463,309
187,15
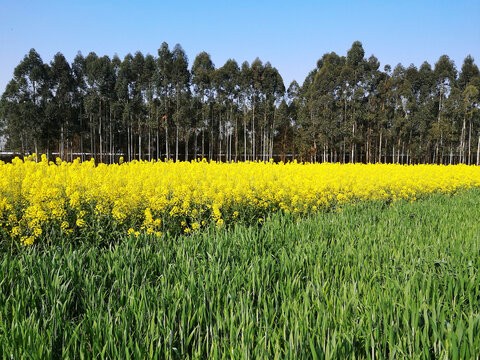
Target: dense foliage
x,y
371,281
156,107
40,201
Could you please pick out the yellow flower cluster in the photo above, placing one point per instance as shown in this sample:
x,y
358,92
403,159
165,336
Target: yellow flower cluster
x,y
77,199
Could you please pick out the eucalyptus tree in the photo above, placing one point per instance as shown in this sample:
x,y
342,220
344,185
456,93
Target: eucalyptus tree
x,y
116,112
445,77
253,83
471,101
13,122
284,128
345,96
148,85
372,107
244,95
186,116
469,84
384,96
62,86
293,102
355,62
107,80
426,101
413,99
451,125
315,94
92,98
132,90
137,92
203,73
227,80
305,113
468,73
24,102
405,90
123,90
79,95
397,127
322,100
164,88
180,85
273,91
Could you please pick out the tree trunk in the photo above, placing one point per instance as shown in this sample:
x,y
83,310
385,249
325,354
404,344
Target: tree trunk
x,y
62,145
139,145
128,144
438,122
92,141
352,159
271,145
244,141
81,147
176,142
219,136
380,149
229,147
166,140
36,149
236,136
149,144
100,148
386,151
158,144
157,136
203,144
469,144
195,145
210,144
253,133
403,150
478,151
462,141
112,158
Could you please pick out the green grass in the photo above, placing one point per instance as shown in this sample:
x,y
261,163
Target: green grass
x,y
371,281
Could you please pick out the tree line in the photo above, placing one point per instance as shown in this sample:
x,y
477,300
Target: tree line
x,y
157,107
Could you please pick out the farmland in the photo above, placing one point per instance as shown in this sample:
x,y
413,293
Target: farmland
x,y
242,260
370,281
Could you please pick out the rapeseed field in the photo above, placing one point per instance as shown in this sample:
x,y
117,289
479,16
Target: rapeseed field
x,y
85,200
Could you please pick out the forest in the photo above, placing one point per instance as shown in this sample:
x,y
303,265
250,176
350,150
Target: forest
x,y
148,107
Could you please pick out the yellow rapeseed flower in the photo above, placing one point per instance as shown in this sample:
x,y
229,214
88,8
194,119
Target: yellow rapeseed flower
x,y
154,197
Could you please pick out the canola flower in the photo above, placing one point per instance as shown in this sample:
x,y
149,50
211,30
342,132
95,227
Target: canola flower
x,y
81,199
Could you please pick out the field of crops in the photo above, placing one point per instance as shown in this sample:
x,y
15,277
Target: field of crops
x,y
369,281
243,260
44,201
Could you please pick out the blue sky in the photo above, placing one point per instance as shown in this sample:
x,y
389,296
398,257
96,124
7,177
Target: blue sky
x,y
292,35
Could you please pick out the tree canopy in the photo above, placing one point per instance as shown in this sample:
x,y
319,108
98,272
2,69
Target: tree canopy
x,y
348,109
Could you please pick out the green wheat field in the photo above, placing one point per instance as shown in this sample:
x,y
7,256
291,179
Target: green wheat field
x,y
369,281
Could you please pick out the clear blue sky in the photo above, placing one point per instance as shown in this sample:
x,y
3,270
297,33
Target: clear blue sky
x,y
292,35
